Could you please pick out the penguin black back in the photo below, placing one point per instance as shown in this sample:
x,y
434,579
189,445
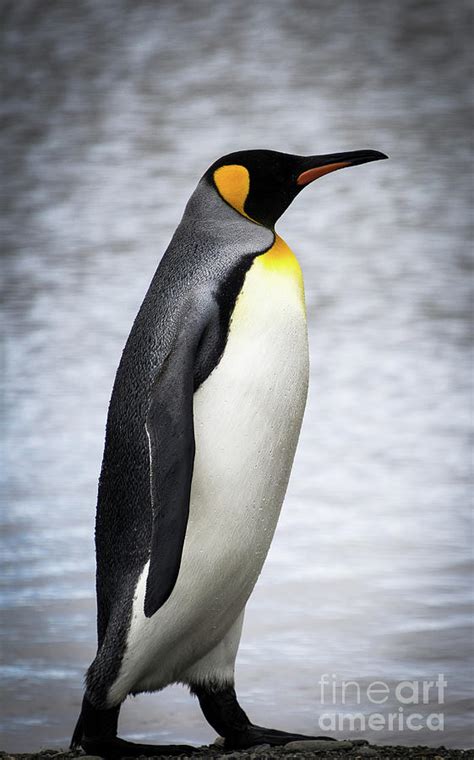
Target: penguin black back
x,y
213,247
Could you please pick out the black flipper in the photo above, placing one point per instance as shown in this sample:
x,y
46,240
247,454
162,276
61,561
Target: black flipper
x,y
170,431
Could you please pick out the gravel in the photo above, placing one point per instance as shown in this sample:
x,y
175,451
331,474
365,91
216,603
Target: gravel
x,y
322,750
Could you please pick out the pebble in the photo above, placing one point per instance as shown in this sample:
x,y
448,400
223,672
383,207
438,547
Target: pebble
x,y
367,752
308,745
259,748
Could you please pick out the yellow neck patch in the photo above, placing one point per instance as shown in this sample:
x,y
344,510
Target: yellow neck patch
x,y
280,261
233,183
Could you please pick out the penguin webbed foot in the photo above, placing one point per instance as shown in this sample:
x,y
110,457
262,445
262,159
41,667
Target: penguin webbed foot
x,y
115,748
222,710
96,733
252,736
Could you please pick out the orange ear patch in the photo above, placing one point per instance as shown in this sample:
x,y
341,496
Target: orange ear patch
x,y
233,184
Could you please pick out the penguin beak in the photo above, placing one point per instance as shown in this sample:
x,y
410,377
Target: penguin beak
x,y
321,165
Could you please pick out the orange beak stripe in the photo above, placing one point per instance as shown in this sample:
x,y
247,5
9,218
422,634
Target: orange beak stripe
x,y
319,171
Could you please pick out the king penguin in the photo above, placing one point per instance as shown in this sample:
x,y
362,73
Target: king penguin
x,y
201,434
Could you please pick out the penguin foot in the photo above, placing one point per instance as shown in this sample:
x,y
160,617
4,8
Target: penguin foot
x,y
114,748
222,710
251,735
96,733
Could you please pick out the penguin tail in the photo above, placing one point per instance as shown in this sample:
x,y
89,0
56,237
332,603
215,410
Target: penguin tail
x,y
78,733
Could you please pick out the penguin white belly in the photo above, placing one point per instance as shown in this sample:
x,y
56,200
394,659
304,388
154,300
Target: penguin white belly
x,y
247,418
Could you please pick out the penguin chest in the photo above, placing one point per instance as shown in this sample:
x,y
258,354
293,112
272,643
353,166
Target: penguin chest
x,y
247,418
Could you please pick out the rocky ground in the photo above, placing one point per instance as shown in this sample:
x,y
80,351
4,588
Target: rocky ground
x,y
322,750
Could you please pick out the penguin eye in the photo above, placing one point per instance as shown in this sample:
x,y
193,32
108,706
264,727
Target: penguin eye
x,y
233,184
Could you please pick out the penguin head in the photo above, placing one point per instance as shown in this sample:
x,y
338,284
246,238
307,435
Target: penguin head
x,y
261,184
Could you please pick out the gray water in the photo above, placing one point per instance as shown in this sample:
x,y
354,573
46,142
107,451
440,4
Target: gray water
x,y
112,111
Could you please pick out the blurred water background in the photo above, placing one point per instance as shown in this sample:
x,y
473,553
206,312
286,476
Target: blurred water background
x,y
112,110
